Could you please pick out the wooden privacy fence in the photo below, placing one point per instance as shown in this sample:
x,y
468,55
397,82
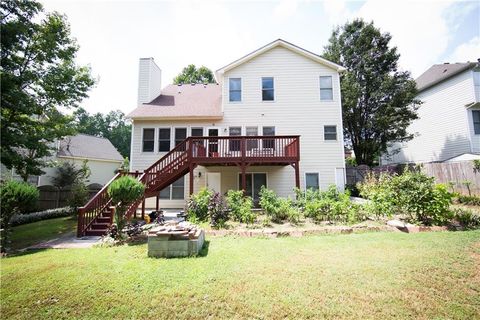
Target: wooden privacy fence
x,y
456,173
50,197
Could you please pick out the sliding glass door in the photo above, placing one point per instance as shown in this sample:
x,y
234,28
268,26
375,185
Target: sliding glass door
x,y
255,181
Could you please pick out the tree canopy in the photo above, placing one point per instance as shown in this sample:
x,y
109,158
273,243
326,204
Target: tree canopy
x,y
378,100
39,79
191,74
112,126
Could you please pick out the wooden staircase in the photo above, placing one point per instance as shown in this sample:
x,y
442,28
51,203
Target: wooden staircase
x,y
96,217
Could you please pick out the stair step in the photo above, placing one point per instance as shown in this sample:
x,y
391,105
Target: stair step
x,y
97,225
103,220
96,232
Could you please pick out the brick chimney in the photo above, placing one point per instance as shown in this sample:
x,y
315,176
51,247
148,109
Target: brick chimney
x,y
149,80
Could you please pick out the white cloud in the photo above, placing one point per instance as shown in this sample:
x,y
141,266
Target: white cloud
x,y
421,30
285,9
469,51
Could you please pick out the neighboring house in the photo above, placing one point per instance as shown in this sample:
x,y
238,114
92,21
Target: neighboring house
x,y
103,159
448,124
273,119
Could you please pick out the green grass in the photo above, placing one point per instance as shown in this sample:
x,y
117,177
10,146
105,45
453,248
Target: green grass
x,y
32,233
356,276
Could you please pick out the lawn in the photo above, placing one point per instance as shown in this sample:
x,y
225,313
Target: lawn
x,y
32,233
357,276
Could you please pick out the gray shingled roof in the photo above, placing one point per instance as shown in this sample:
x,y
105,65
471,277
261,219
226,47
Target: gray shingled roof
x,y
440,72
89,147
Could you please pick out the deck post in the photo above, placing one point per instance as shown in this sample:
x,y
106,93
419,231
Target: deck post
x,y
157,203
297,175
244,178
143,209
190,180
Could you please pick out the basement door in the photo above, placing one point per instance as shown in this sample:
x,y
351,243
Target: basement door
x,y
213,181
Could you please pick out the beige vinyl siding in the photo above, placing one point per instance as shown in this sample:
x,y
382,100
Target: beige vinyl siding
x,y
297,110
442,130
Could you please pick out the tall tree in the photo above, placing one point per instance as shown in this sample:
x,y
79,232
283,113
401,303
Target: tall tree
x,y
112,126
39,78
378,100
191,74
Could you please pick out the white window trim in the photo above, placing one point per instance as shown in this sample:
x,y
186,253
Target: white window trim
x,y
305,180
472,122
196,127
336,133
172,141
158,138
154,141
241,90
320,88
261,90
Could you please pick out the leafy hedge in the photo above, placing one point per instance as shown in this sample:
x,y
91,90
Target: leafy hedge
x,y
412,193
19,219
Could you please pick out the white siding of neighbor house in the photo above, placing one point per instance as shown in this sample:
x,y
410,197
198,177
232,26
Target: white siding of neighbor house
x,y
100,171
297,110
444,128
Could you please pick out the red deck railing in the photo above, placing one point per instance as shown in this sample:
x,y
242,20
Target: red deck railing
x,y
196,151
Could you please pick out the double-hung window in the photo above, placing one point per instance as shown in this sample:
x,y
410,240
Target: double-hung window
x,y
164,139
235,89
330,132
268,143
234,145
476,121
268,93
148,140
326,88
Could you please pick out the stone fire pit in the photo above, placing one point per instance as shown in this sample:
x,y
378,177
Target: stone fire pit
x,y
175,239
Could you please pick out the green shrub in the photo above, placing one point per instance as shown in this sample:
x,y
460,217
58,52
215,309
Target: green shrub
x,y
15,197
279,209
240,206
19,219
79,195
378,190
469,200
412,193
197,205
467,218
124,191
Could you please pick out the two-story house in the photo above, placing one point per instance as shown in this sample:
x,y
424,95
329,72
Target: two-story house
x,y
448,124
274,118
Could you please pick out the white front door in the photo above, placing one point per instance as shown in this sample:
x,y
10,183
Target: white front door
x,y
213,181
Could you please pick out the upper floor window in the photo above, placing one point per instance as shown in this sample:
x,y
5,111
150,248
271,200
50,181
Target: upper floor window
x,y
330,132
164,139
476,121
235,89
268,93
326,88
148,140
268,143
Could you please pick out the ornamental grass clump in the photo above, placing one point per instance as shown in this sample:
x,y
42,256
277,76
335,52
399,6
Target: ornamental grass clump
x,y
16,197
124,191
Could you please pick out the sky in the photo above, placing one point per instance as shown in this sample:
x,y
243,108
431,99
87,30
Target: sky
x,y
113,35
